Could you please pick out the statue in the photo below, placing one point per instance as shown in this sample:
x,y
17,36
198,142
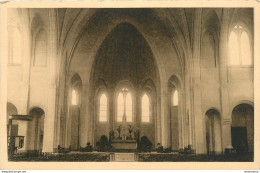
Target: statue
x,y
137,134
124,127
130,129
119,130
111,135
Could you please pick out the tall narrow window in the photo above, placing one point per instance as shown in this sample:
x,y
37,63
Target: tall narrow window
x,y
40,54
245,49
145,108
129,108
120,107
124,105
74,97
15,46
233,49
239,47
103,108
17,49
175,98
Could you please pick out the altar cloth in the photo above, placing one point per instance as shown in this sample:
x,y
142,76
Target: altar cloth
x,y
124,145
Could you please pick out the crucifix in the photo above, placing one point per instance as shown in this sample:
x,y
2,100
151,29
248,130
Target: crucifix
x,y
124,91
124,127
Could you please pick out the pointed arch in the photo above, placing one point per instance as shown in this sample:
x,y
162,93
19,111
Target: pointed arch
x,y
174,112
242,128
76,86
233,49
127,108
35,130
240,51
246,56
14,45
40,50
74,113
213,131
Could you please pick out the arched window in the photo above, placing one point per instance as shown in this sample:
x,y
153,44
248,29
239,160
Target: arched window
x,y
246,56
175,98
127,108
233,49
74,98
103,108
145,108
15,46
40,53
239,47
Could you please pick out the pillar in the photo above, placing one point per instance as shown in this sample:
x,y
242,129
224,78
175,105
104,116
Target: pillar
x,y
198,117
49,121
224,93
164,116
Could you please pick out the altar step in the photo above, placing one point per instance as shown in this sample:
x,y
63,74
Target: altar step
x,y
123,157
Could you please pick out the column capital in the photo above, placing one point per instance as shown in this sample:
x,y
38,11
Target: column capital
x,y
227,121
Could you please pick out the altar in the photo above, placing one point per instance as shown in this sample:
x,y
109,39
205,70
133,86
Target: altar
x,y
124,145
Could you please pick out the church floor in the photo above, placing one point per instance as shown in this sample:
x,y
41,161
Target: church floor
x,y
141,157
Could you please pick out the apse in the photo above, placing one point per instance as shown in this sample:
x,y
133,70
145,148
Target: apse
x,y
125,61
125,55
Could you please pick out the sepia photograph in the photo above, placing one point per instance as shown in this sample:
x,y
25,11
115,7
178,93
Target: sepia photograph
x,y
129,84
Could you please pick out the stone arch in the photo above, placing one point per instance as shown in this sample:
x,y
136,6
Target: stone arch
x,y
132,90
210,39
161,46
74,113
101,128
141,27
213,132
35,130
15,42
148,84
174,113
244,17
242,128
10,110
36,24
245,101
40,48
148,129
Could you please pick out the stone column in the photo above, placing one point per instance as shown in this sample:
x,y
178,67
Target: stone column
x,y
187,101
83,116
224,93
168,117
49,121
27,57
164,115
180,119
158,119
198,119
138,108
88,113
111,106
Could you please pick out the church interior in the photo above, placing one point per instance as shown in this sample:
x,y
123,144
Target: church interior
x,y
130,83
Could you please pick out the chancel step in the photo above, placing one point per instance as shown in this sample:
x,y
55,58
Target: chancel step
x,y
123,157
